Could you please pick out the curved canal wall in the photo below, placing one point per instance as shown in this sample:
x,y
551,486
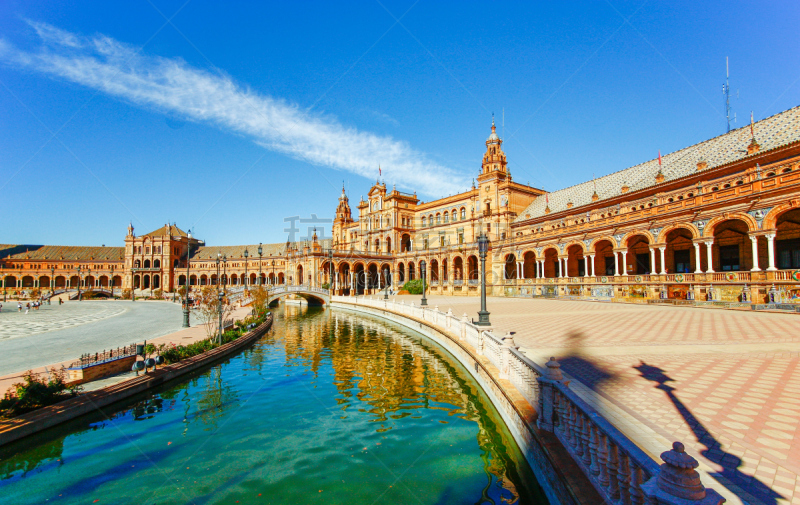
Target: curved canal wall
x,y
560,477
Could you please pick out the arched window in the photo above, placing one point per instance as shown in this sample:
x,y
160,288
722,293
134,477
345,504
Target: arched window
x,y
454,215
423,220
438,218
463,213
446,217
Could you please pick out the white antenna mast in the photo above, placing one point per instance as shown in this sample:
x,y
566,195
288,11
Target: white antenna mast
x,y
726,89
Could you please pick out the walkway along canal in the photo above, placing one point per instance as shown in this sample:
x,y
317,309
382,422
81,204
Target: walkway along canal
x,y
328,407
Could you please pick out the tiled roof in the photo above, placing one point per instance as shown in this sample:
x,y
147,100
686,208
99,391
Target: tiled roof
x,y
59,253
237,251
772,132
167,230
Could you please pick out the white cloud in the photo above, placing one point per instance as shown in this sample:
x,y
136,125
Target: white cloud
x,y
173,86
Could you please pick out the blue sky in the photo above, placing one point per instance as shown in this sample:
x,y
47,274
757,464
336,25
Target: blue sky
x,y
228,119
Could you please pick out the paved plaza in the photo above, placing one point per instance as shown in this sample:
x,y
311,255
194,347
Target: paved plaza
x,y
724,382
56,333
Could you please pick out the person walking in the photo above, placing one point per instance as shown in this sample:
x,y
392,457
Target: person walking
x,y
19,306
27,307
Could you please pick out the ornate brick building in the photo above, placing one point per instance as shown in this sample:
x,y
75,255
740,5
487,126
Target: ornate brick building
x,y
719,220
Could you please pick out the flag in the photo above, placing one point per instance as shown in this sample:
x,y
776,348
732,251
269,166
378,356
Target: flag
x,y
379,170
547,198
659,157
752,134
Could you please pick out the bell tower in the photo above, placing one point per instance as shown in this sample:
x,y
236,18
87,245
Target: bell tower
x,y
494,161
344,216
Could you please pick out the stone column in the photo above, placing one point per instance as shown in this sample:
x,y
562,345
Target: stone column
x,y
625,262
520,270
352,290
754,242
709,244
560,272
771,251
652,260
663,260
697,262
591,264
616,263
586,266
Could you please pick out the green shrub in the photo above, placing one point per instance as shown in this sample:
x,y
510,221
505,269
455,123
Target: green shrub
x,y
35,393
413,287
174,353
326,286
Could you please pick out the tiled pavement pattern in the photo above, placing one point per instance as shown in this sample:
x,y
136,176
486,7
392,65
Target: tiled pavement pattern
x,y
726,383
15,324
155,322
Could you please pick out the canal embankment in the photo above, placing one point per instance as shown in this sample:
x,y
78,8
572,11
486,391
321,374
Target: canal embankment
x,y
47,417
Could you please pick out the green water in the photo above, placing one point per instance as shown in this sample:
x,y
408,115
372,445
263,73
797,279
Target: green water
x,y
328,407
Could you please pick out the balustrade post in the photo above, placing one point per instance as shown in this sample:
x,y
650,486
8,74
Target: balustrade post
x,y
612,466
594,443
624,477
677,482
505,357
637,495
463,333
547,395
586,435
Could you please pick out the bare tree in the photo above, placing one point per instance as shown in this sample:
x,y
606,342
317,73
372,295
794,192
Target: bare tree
x,y
208,310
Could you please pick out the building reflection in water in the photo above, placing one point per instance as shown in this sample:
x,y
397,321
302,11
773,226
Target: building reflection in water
x,y
381,371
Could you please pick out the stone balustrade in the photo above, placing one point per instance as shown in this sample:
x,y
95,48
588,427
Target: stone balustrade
x,y
619,470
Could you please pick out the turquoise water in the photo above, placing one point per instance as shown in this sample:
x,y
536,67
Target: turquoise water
x,y
328,407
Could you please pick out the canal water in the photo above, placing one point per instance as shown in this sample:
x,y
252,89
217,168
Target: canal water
x,y
328,407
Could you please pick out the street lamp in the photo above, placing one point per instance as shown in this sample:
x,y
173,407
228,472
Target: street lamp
x,y
330,281
424,301
3,267
259,263
246,279
79,283
225,272
386,289
219,310
273,270
186,302
52,281
483,247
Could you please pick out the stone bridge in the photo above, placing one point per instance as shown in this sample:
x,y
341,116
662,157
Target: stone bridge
x,y
314,296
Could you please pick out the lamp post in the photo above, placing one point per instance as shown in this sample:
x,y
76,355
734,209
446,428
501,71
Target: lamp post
x,y
2,268
273,270
483,247
110,281
386,289
330,281
422,266
246,279
219,311
79,283
52,282
219,297
259,263
186,302
225,272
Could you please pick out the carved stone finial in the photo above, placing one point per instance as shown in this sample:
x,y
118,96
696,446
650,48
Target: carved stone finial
x,y
554,369
678,476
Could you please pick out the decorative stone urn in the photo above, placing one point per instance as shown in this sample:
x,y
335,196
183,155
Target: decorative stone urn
x,y
678,483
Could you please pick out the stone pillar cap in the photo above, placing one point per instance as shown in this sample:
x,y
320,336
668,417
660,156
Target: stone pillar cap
x,y
554,369
678,476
